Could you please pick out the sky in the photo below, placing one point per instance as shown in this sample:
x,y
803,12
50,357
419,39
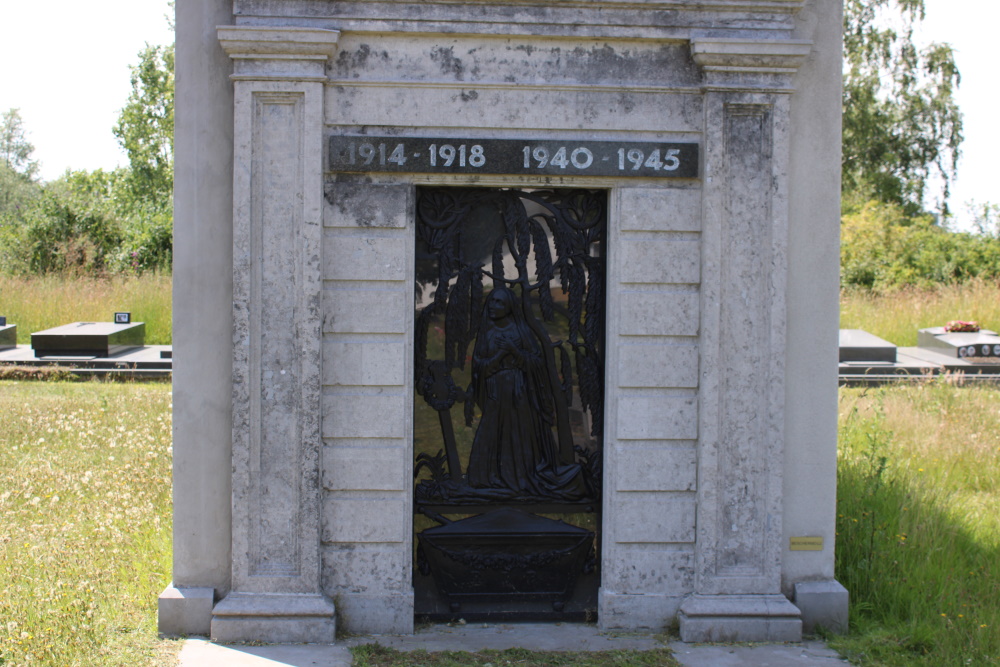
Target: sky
x,y
64,64
969,26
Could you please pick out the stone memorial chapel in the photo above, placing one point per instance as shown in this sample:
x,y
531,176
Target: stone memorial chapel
x,y
511,310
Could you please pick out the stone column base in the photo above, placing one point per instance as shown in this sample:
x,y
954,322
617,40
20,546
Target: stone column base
x,y
617,611
388,614
274,619
184,610
739,618
823,605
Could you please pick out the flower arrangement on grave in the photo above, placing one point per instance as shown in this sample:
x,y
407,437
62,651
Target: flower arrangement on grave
x,y
961,326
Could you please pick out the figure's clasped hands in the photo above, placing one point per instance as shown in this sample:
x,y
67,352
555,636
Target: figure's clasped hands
x,y
510,347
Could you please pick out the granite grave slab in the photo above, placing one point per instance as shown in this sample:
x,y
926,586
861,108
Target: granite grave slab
x,y
88,339
960,344
8,335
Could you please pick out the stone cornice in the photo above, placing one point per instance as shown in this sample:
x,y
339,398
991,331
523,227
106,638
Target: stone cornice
x,y
257,42
749,56
278,54
748,63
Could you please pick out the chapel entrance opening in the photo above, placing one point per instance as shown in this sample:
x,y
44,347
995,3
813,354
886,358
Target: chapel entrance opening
x,y
508,402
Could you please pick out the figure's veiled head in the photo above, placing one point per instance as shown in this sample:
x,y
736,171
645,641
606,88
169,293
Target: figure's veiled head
x,y
501,311
500,303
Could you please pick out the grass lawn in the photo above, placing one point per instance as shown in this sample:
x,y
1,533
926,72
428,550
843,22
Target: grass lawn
x,y
85,538
85,501
85,543
918,524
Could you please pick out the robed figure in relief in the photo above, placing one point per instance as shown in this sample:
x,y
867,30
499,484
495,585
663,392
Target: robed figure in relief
x,y
514,448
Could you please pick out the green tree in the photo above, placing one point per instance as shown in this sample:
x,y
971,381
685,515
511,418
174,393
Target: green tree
x,y
985,218
99,222
17,168
145,128
902,126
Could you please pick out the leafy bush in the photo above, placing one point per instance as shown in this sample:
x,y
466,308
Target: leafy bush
x,y
883,249
66,229
147,245
86,223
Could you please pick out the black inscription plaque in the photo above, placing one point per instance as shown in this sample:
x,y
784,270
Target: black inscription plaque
x,y
569,157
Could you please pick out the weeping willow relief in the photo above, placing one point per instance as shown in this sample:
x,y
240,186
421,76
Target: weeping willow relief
x,y
508,346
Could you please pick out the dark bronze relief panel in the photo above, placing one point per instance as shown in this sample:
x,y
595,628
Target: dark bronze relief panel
x,y
508,372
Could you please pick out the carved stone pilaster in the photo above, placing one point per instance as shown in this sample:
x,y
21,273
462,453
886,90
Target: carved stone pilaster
x,y
744,273
278,79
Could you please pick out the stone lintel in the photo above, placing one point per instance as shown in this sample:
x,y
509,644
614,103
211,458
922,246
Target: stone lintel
x,y
274,618
739,618
184,610
602,19
823,604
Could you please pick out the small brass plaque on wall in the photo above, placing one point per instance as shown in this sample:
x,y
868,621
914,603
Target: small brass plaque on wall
x,y
806,544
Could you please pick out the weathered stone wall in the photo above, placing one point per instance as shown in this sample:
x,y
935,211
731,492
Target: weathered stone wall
x,y
810,491
368,403
720,432
652,383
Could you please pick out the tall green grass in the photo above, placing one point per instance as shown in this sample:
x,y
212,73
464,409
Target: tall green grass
x,y
43,302
897,316
918,543
85,536
36,303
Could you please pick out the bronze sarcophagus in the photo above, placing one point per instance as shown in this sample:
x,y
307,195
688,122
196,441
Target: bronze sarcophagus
x,y
506,555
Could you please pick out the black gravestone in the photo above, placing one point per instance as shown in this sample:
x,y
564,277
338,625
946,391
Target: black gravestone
x,y
88,339
8,334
